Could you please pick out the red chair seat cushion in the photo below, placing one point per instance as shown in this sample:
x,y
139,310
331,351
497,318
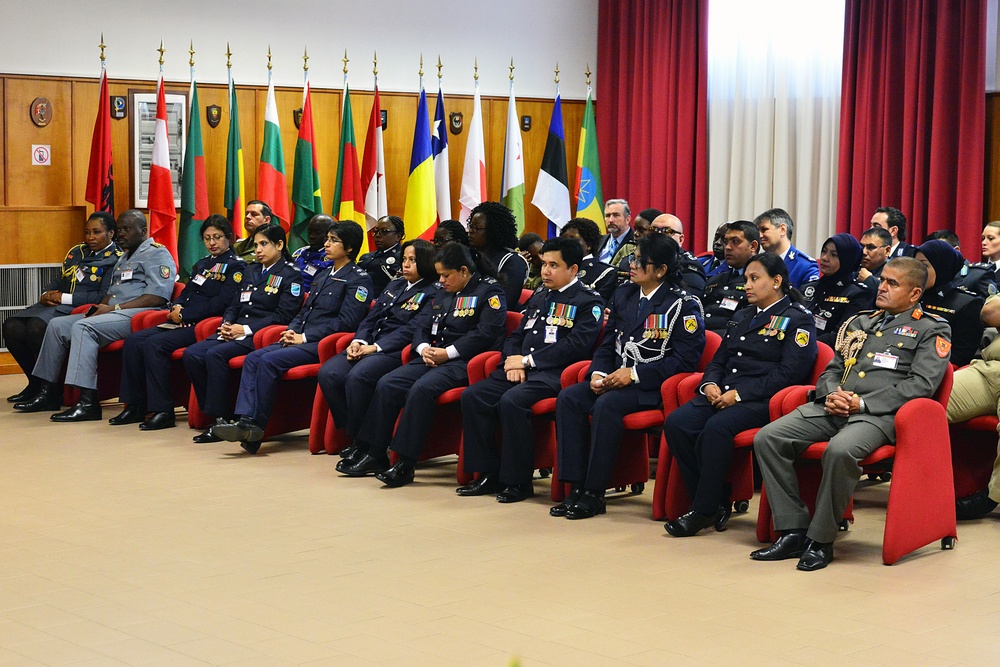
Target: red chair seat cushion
x,y
451,396
642,420
546,406
301,372
985,423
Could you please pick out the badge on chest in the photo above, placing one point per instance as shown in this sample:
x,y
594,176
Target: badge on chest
x,y
465,306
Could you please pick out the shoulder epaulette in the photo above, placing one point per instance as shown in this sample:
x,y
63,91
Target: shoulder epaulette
x,y
157,245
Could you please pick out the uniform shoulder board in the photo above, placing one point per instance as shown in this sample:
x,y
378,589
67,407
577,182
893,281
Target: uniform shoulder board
x,y
298,252
800,307
358,270
489,280
157,245
591,290
980,265
872,314
365,256
965,290
933,316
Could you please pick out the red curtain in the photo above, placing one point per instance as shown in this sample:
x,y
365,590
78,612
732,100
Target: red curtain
x,y
652,108
913,114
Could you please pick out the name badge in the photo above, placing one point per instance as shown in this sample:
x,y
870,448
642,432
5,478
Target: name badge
x,y
198,279
245,297
530,323
886,360
127,275
729,304
434,328
820,322
311,270
80,275
551,333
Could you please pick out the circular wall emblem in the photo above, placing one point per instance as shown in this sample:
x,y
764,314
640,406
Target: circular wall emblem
x,y
41,111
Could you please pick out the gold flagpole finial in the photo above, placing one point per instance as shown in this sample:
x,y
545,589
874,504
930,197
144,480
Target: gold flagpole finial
x,y
421,72
439,67
269,58
557,74
162,51
511,69
375,63
191,53
102,46
305,59
229,57
588,75
345,62
475,70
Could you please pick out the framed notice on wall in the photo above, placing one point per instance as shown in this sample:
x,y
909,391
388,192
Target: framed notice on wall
x,y
142,129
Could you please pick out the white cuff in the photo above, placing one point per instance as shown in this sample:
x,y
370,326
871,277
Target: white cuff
x,y
378,348
422,347
528,362
599,374
452,352
304,338
66,299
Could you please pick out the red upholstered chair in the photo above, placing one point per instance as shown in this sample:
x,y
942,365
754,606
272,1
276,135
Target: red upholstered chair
x,y
973,451
324,436
670,496
525,295
921,506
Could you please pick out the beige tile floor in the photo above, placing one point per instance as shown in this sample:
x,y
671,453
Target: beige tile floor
x,y
119,547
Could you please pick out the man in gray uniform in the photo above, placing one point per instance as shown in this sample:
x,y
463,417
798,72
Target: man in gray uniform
x,y
884,358
142,279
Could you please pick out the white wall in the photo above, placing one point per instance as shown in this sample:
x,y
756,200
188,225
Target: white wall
x,y
60,37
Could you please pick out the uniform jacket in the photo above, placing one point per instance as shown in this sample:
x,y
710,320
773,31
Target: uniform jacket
x,y
214,284
338,301
725,293
86,275
389,323
801,267
512,269
244,248
625,247
692,274
833,301
711,265
762,353
666,336
980,278
473,319
913,354
904,249
598,276
310,263
266,298
382,266
961,309
148,270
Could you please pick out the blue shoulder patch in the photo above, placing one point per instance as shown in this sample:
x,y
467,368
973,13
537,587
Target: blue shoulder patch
x,y
296,289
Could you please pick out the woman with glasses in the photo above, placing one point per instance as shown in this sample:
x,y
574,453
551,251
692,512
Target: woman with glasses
x,y
214,284
448,231
383,264
493,232
654,330
837,294
595,274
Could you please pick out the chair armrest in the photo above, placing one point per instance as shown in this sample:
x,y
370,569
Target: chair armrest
x,y
329,346
574,373
268,335
789,398
149,318
477,365
206,327
687,388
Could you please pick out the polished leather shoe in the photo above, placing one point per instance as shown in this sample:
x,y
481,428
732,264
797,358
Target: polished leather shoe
x,y
46,400
244,430
691,523
973,507
352,452
87,409
725,512
560,509
206,437
486,485
791,544
366,465
588,505
157,421
816,556
24,395
250,447
398,475
515,493
132,414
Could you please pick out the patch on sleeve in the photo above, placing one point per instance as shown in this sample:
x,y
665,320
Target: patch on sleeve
x,y
801,337
690,323
494,302
597,313
238,277
992,288
362,293
164,271
296,289
943,347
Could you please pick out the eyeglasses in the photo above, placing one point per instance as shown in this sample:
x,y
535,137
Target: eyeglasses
x,y
669,231
637,262
476,229
210,239
333,239
871,247
383,232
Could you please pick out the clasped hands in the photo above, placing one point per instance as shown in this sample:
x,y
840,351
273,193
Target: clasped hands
x,y
718,398
842,403
617,379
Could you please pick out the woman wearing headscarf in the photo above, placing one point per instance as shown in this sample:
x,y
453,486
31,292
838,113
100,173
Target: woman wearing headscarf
x,y
945,297
837,294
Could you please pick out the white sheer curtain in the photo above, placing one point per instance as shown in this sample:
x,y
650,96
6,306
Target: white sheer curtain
x,y
774,69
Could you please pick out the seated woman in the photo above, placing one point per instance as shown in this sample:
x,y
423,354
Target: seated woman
x,y
338,302
837,294
654,330
595,274
382,265
85,278
271,294
311,259
215,282
493,232
771,345
448,231
348,380
948,299
467,317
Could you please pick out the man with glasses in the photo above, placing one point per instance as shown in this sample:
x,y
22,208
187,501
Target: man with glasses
x,y
776,227
893,221
692,273
383,264
725,293
875,245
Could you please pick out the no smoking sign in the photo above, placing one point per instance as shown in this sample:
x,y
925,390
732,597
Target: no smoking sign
x,y
41,155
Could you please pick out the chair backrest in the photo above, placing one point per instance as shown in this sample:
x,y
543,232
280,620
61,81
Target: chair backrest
x,y
525,295
178,288
823,358
944,389
712,343
513,321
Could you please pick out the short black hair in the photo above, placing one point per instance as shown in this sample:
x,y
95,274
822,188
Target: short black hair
x,y
425,252
106,219
883,235
501,227
397,223
274,234
221,223
749,229
775,266
453,256
136,216
527,240
661,250
894,218
588,231
570,250
648,214
350,235
265,210
456,229
946,235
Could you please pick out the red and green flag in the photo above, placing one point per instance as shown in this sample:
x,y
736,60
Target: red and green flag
x,y
348,197
306,198
271,184
235,199
194,192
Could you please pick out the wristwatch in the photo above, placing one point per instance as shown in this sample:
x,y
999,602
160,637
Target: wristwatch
x,y
118,306
736,395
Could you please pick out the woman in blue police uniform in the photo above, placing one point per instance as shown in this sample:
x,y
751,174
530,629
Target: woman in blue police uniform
x,y
86,276
837,294
215,281
769,345
654,330
448,231
949,300
595,274
348,380
466,317
493,232
271,293
338,301
311,259
383,264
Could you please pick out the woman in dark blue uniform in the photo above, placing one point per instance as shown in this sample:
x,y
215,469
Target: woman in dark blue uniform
x,y
654,330
466,317
769,345
837,294
348,380
383,264
595,274
337,302
85,278
214,284
271,294
493,232
311,259
947,298
448,231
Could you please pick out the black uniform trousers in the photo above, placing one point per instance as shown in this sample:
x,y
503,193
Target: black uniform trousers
x,y
701,442
23,337
207,364
497,402
146,366
414,389
591,469
262,369
349,387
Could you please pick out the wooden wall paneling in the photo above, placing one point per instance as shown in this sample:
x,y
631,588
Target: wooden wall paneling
x,y
121,141
40,235
85,106
3,132
991,207
29,185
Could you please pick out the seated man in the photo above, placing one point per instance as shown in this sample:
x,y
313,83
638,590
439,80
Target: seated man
x,y
875,246
311,259
776,227
143,278
725,292
257,215
560,327
692,273
884,359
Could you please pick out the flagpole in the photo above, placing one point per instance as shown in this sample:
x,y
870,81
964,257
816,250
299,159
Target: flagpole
x,y
305,71
102,46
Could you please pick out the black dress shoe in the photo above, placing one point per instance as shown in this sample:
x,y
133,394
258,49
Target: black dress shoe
x,y
816,556
398,475
250,447
973,507
366,465
206,437
25,394
791,544
46,400
486,485
725,512
87,409
561,508
352,452
589,504
157,421
515,493
132,414
691,523
244,430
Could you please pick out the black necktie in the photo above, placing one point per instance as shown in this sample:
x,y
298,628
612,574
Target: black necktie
x,y
643,301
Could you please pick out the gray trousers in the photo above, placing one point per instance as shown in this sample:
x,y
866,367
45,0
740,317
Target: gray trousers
x,y
778,444
975,393
79,338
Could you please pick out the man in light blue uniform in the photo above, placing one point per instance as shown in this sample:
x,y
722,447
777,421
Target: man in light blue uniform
x,y
776,227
